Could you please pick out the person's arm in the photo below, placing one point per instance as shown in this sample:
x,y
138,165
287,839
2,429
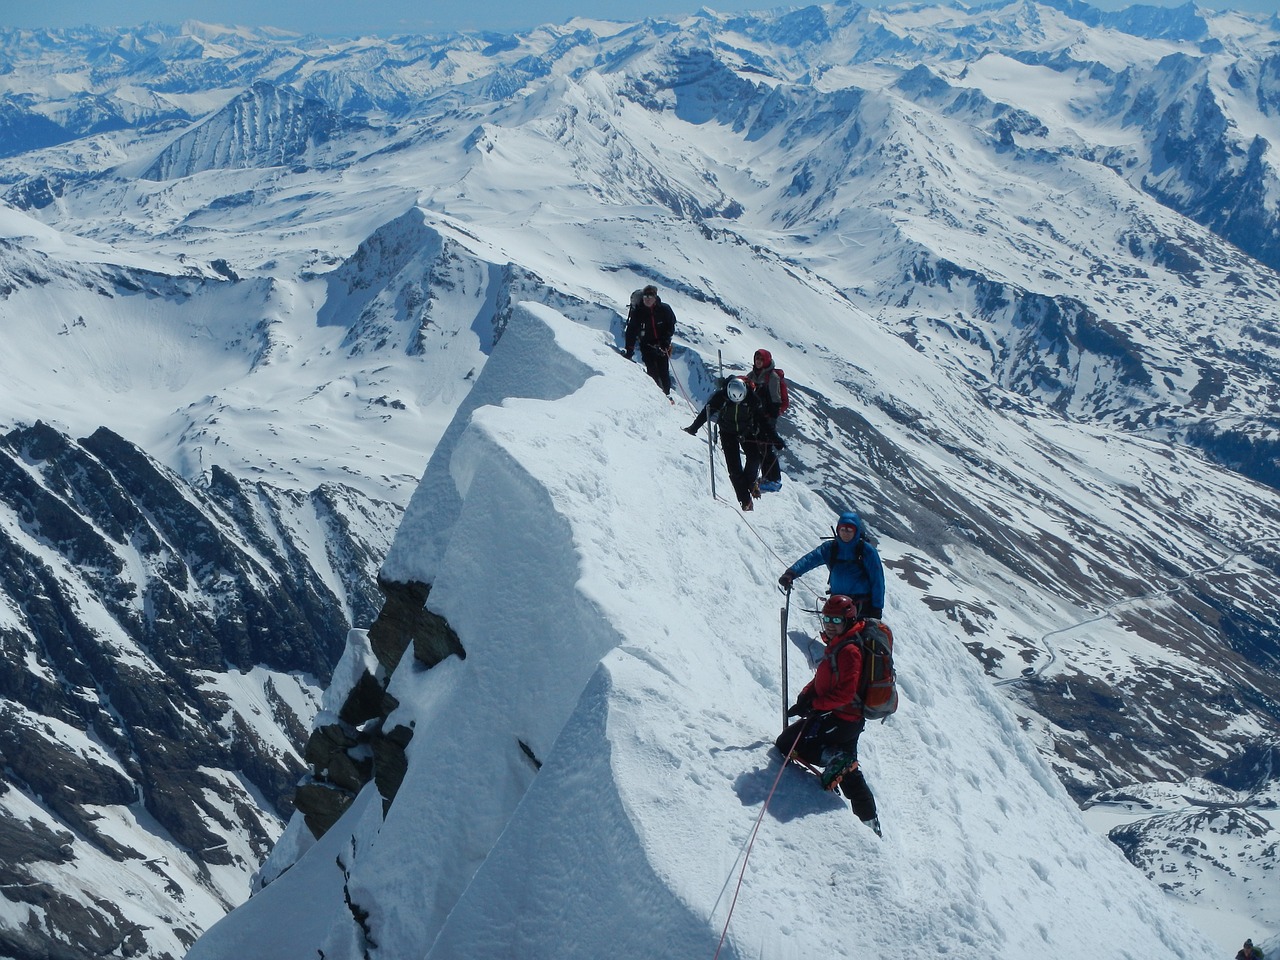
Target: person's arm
x,y
633,329
804,702
765,429
875,573
668,327
815,557
712,405
802,566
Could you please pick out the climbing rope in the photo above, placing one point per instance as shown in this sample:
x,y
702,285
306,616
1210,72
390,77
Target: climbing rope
x,y
751,843
679,386
756,533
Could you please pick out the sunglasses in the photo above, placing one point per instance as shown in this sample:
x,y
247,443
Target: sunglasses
x,y
836,620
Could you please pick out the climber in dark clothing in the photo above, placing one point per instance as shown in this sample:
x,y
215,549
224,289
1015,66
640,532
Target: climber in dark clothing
x,y
767,383
652,324
744,433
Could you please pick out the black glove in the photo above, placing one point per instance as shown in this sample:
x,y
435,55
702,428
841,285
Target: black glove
x,y
874,613
691,430
819,718
629,354
786,580
803,704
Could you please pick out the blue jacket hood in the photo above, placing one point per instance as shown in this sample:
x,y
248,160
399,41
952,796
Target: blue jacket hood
x,y
850,517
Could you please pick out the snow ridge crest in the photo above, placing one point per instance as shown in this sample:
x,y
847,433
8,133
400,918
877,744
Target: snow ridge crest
x,y
583,782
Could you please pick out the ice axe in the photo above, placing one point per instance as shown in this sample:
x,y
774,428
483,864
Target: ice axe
x,y
786,696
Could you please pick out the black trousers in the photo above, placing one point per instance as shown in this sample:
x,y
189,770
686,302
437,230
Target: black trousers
x,y
742,461
770,469
657,365
816,739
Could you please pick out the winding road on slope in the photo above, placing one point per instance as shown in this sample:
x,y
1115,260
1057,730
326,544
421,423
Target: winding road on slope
x,y
1033,672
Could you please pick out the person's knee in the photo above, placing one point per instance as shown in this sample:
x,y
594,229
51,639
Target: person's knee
x,y
788,738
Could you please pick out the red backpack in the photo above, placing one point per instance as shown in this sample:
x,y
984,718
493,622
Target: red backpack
x,y
783,401
877,688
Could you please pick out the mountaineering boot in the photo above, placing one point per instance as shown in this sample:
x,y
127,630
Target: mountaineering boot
x,y
874,824
755,491
770,486
835,771
747,505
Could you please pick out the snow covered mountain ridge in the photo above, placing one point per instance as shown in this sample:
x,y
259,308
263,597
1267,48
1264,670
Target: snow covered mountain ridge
x,y
579,782
1017,261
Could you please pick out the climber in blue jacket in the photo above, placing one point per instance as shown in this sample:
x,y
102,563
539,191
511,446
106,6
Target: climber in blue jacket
x,y
854,565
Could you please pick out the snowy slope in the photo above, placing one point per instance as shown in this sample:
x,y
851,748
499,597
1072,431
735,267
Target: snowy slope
x,y
623,625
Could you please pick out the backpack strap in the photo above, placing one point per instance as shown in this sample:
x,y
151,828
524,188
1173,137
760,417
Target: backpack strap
x,y
858,552
832,655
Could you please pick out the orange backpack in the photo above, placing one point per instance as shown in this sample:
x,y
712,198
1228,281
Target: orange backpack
x,y
877,688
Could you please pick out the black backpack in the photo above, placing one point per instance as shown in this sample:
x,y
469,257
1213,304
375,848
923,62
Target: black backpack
x,y
637,298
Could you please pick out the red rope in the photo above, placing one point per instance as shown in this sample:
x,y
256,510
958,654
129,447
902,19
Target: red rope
x,y
743,872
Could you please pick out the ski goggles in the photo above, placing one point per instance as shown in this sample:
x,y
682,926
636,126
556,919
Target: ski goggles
x,y
836,620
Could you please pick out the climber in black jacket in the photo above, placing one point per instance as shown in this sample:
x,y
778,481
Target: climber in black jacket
x,y
745,433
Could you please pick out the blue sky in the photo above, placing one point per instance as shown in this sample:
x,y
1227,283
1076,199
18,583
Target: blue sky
x,y
384,16
342,16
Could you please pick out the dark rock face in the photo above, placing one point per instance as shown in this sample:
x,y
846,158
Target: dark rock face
x,y
359,748
266,126
22,128
130,595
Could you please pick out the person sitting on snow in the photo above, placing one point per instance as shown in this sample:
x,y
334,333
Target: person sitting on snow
x,y
830,722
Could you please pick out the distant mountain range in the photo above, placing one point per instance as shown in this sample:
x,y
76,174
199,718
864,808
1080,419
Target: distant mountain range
x,y
1019,261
